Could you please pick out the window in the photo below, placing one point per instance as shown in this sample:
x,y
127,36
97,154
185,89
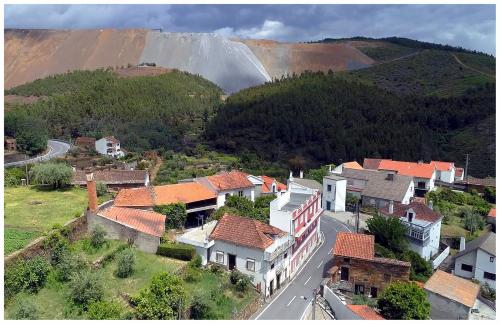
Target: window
x,y
373,292
466,267
344,273
346,260
329,188
272,266
219,257
285,256
490,276
240,193
250,264
328,205
410,217
492,259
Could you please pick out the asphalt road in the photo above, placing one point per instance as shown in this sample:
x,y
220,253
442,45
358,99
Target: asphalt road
x,y
291,302
55,149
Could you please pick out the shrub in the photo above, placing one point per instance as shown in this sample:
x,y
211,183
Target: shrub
x,y
24,309
176,214
239,280
13,176
69,265
420,269
363,300
60,248
406,301
195,262
86,288
177,251
35,274
101,188
103,310
192,274
388,232
216,269
472,221
200,308
263,201
13,279
125,263
165,298
488,292
97,236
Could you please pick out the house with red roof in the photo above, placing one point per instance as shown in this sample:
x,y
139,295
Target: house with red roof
x,y
423,223
109,145
271,186
226,184
445,171
258,250
357,270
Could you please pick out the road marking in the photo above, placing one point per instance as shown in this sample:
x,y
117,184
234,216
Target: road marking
x,y
290,301
330,252
319,265
305,283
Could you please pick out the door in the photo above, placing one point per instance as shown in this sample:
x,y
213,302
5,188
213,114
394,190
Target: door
x,y
328,205
344,273
231,261
373,292
278,281
271,288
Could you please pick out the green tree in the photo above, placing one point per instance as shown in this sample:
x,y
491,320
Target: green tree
x,y
472,221
125,262
164,299
105,310
176,214
85,288
420,269
97,236
36,271
318,174
101,188
200,308
242,204
32,137
404,301
389,232
56,175
69,264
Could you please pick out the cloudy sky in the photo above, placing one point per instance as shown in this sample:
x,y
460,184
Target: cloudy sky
x,y
469,26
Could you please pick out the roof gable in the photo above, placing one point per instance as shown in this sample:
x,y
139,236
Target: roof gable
x,y
354,245
187,192
371,163
420,211
486,243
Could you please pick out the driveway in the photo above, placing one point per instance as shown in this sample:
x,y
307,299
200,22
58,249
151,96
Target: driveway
x,y
292,301
56,148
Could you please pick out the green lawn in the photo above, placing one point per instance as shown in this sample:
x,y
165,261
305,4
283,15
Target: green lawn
x,y
29,212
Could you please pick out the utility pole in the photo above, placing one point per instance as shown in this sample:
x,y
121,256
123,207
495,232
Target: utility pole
x,y
26,167
314,305
466,167
357,217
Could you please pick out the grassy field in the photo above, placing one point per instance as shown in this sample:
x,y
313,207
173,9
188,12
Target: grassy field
x,y
29,212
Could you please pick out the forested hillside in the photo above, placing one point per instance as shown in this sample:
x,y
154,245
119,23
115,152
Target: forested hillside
x,y
143,112
321,118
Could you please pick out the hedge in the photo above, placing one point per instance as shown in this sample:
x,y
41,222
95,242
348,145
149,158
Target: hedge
x,y
177,251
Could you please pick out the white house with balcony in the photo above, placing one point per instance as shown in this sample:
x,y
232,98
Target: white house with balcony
x,y
109,145
423,224
297,212
261,251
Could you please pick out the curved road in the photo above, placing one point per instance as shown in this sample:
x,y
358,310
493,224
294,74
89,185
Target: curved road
x,y
290,304
56,148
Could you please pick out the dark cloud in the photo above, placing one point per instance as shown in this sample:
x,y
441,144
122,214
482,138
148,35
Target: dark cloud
x,y
469,26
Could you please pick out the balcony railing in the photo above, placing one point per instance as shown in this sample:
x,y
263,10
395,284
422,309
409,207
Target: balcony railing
x,y
269,256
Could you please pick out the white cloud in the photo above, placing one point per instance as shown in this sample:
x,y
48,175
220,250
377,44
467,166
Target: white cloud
x,y
270,29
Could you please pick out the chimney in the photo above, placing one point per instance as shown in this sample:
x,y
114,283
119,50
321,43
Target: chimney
x,y
391,207
92,192
301,174
462,243
431,205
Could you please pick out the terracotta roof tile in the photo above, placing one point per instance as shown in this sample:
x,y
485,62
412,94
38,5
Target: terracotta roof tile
x,y
145,221
365,312
136,197
182,192
452,287
112,139
422,211
268,182
459,172
230,180
353,165
443,166
371,163
355,245
492,213
418,170
112,177
245,232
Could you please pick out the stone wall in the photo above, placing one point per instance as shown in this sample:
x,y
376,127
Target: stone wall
x,y
369,274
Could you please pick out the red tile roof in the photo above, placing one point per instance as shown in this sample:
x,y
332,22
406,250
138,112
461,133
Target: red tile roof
x,y
268,183
459,172
355,245
352,165
422,211
452,287
245,232
418,170
145,221
230,180
492,213
371,164
443,166
136,197
112,139
112,177
365,312
182,192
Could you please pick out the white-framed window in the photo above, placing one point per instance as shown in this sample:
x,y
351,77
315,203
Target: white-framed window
x,y
219,257
250,264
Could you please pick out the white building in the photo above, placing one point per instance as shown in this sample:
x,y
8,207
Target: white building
x,y
225,184
424,226
297,212
334,193
109,146
445,171
478,260
258,250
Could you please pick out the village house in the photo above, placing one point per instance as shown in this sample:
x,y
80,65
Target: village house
x,y
225,184
109,145
376,188
478,260
271,186
334,193
492,219
450,297
142,228
10,144
445,171
114,179
424,175
347,165
423,224
258,250
459,174
199,200
356,269
297,212
85,142
303,184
